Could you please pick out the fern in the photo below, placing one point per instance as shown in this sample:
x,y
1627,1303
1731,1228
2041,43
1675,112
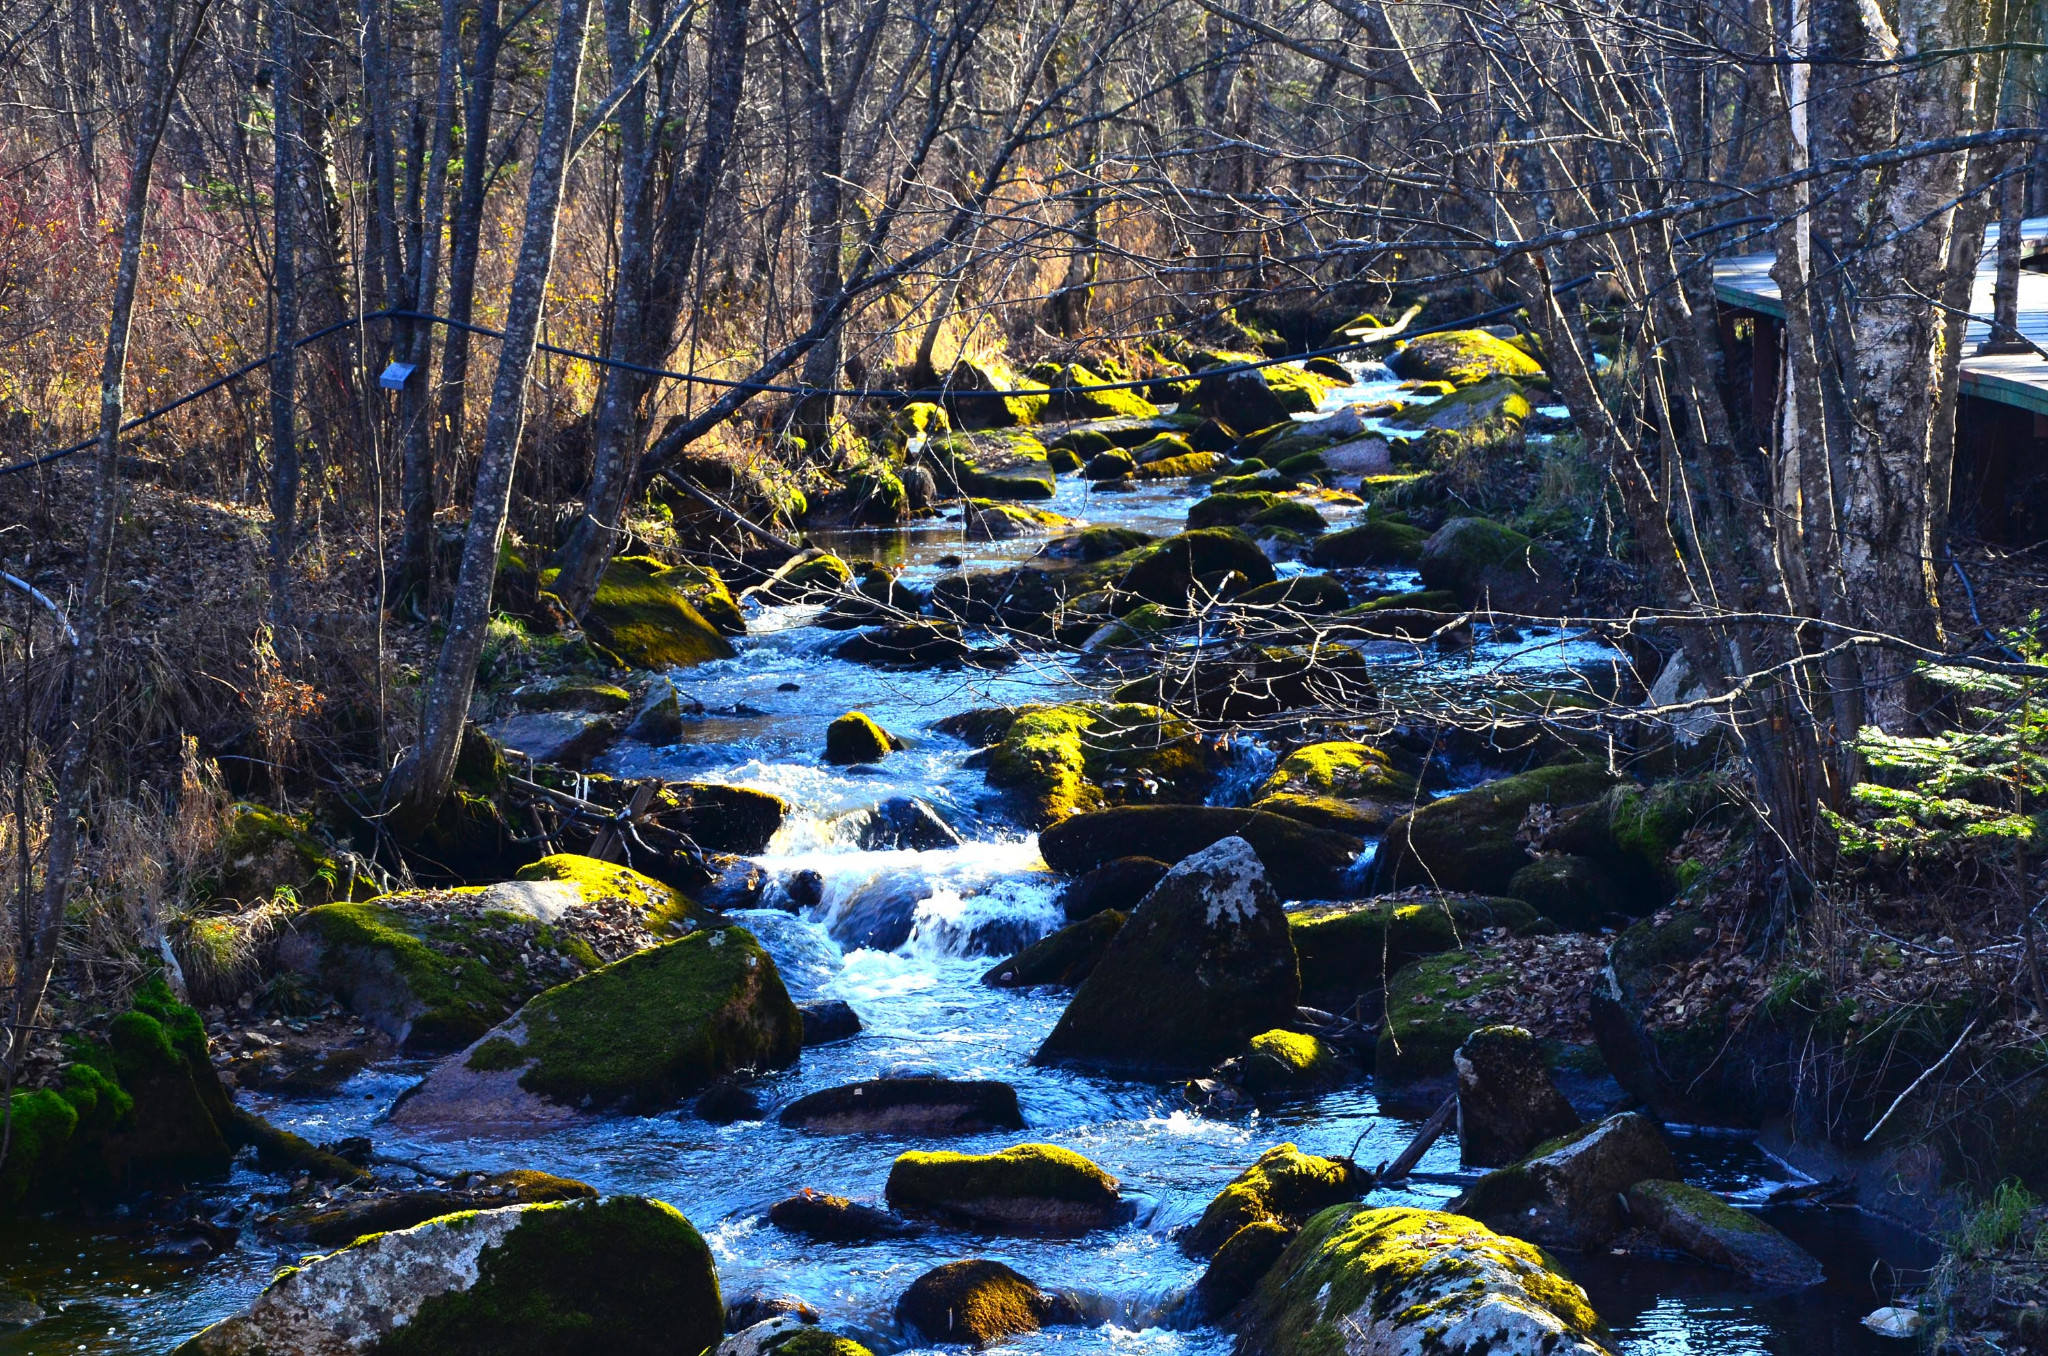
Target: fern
x,y
1967,792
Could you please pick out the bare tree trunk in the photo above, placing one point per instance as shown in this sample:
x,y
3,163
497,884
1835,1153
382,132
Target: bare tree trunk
x,y
415,405
625,407
465,234
161,69
427,775
284,362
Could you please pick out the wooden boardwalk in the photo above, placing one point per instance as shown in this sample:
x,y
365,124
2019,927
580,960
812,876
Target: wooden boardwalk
x,y
2019,379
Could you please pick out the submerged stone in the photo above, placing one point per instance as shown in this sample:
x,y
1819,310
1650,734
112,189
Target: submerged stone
x,y
835,1219
1568,1192
907,1106
1716,1233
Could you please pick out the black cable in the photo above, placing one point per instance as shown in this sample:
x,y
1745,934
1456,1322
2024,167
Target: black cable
x,y
759,387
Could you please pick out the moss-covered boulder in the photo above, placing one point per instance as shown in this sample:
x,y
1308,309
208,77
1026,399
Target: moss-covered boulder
x,y
1166,571
1231,510
1114,464
1462,358
709,594
1161,447
1239,1265
1376,542
1487,565
1058,761
1710,1230
1345,769
1280,1062
856,738
1079,393
821,572
1358,1279
643,618
1194,466
436,969
1027,1188
1431,1007
1577,892
1202,966
1507,1102
1346,950
978,1303
721,818
1301,861
1284,1186
1064,959
925,1107
987,520
1468,841
639,1034
977,395
906,645
525,1280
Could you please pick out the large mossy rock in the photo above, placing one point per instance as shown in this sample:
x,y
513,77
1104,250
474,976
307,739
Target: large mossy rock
x,y
1567,1193
1301,861
642,616
1467,842
1202,966
1116,885
1486,565
639,1034
1283,1063
1507,1102
624,1274
1284,1186
977,395
1401,1282
1710,1230
722,818
436,969
1057,761
978,1303
138,1107
1347,949
1461,357
1027,1188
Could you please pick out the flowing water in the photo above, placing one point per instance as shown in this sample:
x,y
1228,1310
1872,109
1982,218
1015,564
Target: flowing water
x,y
925,1011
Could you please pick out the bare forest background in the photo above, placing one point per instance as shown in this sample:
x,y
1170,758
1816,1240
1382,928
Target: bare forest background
x,y
285,586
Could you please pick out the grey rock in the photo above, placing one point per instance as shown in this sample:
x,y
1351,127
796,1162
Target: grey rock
x,y
1507,1103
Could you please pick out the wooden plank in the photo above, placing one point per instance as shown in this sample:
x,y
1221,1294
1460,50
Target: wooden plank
x,y
2020,379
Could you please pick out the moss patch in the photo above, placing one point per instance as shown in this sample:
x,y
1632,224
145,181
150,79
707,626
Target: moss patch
x,y
597,881
1285,1185
1462,357
1424,1022
1033,1171
1341,768
1289,1061
1346,950
646,622
1467,841
1061,760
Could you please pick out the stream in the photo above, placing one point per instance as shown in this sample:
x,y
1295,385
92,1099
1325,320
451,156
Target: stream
x,y
925,1011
